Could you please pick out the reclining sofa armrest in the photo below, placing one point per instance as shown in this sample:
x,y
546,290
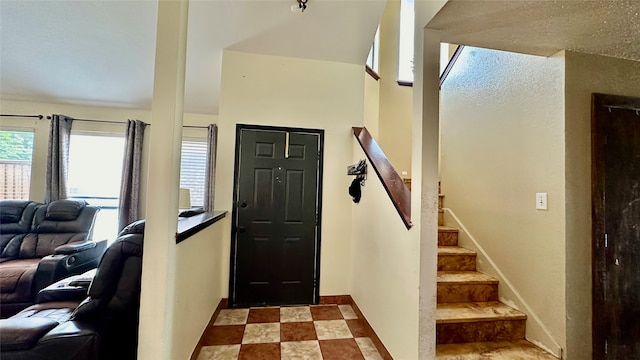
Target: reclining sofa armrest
x,y
55,267
23,334
73,248
72,288
70,337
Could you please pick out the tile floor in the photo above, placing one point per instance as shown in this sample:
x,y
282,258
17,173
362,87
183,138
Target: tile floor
x,y
322,332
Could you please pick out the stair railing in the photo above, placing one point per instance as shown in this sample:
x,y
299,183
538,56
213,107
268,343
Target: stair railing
x,y
398,192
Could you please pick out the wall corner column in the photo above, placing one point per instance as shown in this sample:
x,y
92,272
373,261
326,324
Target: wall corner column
x,y
425,171
159,259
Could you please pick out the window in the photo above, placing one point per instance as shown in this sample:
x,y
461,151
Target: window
x,y
193,167
405,51
16,150
374,54
95,172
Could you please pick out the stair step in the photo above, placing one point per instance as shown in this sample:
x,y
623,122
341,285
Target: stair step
x,y
447,236
454,251
476,311
466,286
465,278
495,350
478,321
455,258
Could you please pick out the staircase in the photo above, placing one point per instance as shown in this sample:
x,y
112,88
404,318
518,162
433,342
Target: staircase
x,y
471,322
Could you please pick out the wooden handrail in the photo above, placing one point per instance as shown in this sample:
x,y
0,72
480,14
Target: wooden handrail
x,y
393,184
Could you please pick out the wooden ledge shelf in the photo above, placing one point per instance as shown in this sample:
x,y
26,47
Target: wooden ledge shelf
x,y
190,226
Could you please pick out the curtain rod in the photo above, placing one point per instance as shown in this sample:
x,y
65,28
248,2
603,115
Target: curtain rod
x,y
120,122
93,120
23,116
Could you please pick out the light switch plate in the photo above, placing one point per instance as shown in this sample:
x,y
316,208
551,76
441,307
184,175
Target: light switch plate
x,y
541,201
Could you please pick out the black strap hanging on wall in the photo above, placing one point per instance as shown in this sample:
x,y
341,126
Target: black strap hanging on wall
x,y
355,191
360,171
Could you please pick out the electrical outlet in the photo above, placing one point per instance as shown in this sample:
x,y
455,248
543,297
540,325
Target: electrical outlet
x,y
541,201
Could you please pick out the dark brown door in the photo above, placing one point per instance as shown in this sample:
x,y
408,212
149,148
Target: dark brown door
x,y
616,227
276,239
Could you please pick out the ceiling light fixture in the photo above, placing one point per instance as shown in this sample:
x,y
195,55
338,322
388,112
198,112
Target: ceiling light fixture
x,y
301,7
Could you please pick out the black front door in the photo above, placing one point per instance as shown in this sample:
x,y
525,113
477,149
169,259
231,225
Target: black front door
x,y
616,225
275,245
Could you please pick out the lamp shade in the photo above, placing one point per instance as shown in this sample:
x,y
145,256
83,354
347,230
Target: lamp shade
x,y
184,199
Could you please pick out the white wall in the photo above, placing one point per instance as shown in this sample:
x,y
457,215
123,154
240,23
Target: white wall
x,y
395,127
371,105
280,91
199,285
384,266
585,74
502,138
425,155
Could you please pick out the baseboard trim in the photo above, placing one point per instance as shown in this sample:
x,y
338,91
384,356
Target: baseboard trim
x,y
223,304
370,332
336,300
324,300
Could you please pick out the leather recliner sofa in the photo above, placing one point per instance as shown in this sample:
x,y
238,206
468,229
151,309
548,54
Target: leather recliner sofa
x,y
41,243
103,326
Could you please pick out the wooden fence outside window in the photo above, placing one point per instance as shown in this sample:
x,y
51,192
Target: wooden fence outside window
x,y
15,176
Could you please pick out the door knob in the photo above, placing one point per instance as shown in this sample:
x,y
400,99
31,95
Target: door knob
x,y
244,204
242,229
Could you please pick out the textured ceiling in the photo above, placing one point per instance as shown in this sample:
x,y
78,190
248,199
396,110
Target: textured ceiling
x,y
102,52
609,28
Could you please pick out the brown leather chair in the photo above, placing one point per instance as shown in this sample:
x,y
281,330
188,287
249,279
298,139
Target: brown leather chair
x,y
41,243
62,326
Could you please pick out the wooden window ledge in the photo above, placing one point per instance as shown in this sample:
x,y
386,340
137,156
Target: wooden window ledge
x,y
190,226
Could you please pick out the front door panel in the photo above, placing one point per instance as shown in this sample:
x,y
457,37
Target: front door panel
x,y
275,244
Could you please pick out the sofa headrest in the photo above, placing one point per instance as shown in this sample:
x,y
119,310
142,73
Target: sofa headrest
x,y
65,216
11,210
16,217
64,210
136,227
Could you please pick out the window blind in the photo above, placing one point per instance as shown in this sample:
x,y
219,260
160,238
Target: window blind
x,y
193,166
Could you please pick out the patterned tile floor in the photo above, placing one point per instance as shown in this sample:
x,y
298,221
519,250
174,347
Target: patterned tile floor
x,y
322,332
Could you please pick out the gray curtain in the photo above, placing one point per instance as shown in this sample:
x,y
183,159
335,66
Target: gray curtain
x,y
58,158
210,177
130,184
